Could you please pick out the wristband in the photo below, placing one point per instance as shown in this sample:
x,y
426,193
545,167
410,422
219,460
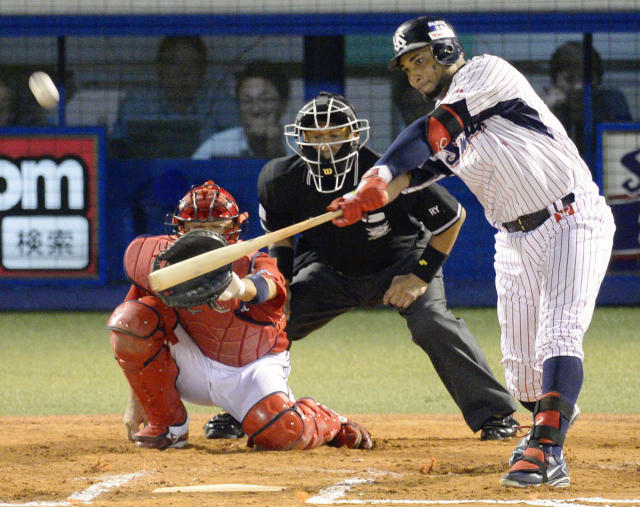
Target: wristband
x,y
262,289
284,256
429,263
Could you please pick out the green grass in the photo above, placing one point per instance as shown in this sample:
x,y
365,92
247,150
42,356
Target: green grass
x,y
365,361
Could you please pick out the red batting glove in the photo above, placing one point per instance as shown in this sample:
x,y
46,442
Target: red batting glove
x,y
371,190
351,210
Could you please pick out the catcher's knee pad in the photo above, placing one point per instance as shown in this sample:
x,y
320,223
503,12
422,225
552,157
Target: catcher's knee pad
x,y
275,423
139,328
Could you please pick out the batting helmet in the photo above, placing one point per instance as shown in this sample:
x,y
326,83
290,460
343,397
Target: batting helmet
x,y
208,203
332,114
427,31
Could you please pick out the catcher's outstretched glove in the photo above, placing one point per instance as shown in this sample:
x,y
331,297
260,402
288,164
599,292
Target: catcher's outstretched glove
x,y
203,289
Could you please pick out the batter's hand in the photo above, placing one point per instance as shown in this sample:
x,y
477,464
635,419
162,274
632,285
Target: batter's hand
x,y
134,416
351,210
371,190
404,290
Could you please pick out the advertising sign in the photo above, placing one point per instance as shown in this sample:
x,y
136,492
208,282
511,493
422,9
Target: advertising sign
x,y
50,216
620,158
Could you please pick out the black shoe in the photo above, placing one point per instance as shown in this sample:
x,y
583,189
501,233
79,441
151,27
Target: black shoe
x,y
223,426
499,428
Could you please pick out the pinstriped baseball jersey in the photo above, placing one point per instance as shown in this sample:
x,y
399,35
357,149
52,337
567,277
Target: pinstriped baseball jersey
x,y
514,155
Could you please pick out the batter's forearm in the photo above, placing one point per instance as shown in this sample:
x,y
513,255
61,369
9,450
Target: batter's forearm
x,y
396,186
409,150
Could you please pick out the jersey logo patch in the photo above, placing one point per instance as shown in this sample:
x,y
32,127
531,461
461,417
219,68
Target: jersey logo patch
x,y
564,213
376,225
451,152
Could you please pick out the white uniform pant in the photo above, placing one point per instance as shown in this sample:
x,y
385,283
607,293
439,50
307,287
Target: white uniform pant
x,y
203,381
547,282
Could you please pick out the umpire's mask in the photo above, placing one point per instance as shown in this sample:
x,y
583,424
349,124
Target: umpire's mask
x,y
327,136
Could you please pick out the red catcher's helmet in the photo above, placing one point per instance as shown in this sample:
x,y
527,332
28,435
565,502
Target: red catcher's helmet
x,y
209,203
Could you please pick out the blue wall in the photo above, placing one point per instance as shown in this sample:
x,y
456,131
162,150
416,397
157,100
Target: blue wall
x,y
469,271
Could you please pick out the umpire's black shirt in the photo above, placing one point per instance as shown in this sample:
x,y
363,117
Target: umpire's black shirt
x,y
287,196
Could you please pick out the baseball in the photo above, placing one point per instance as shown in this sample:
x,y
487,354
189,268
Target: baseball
x,y
44,90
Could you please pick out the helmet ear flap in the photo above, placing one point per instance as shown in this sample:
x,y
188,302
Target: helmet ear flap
x,y
447,51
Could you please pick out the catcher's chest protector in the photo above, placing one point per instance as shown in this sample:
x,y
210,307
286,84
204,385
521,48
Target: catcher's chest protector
x,y
232,338
229,338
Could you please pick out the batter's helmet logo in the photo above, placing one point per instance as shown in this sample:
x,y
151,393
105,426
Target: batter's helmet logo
x,y
399,42
440,29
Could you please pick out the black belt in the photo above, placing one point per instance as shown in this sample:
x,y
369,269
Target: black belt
x,y
532,221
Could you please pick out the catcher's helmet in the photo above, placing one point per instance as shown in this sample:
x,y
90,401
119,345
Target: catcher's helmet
x,y
326,167
209,203
427,31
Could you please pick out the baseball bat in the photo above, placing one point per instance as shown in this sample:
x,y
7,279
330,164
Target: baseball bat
x,y
200,264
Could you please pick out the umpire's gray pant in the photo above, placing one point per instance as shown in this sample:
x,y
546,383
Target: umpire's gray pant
x,y
319,294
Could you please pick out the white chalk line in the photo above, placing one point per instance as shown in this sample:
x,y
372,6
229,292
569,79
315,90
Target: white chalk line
x,y
86,495
333,495
542,503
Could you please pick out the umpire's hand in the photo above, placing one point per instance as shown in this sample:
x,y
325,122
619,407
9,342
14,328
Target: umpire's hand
x,y
404,290
134,416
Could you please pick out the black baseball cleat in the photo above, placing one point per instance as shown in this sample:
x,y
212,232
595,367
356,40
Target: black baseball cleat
x,y
499,428
224,425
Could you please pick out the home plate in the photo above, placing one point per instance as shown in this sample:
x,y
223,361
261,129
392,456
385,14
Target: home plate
x,y
208,488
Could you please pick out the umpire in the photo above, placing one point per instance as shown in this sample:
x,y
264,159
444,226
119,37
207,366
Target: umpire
x,y
393,257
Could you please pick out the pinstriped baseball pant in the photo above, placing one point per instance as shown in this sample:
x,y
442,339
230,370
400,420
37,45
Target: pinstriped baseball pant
x,y
547,282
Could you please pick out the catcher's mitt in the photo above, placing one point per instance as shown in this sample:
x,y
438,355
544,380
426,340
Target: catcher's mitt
x,y
204,289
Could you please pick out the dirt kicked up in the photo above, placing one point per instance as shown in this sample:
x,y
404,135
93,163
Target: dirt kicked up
x,y
417,459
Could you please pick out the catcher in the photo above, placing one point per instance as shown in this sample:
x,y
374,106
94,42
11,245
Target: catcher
x,y
216,340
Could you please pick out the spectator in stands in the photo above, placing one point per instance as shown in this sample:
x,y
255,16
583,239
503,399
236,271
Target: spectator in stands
x,y
262,94
172,117
565,96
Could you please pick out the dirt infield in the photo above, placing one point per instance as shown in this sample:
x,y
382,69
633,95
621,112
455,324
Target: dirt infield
x,y
417,459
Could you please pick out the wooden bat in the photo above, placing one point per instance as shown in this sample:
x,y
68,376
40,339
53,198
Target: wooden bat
x,y
208,261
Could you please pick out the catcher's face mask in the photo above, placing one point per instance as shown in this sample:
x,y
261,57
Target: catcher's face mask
x,y
327,136
210,207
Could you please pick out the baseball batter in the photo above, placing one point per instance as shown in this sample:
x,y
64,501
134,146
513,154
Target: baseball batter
x,y
375,262
554,232
228,350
